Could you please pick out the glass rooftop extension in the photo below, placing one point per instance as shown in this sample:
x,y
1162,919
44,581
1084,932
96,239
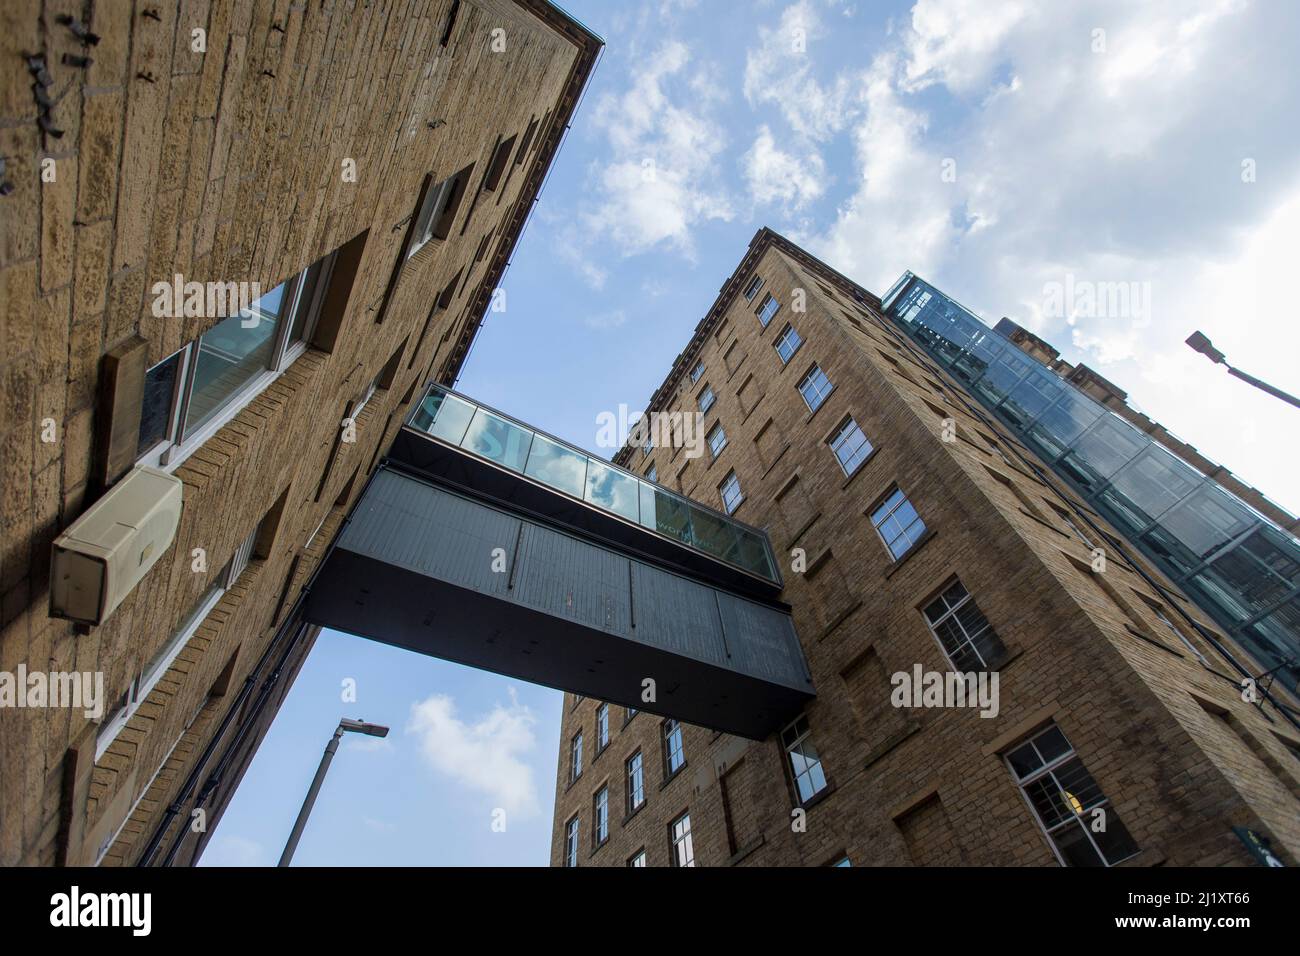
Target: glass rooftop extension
x,y
1241,567
509,444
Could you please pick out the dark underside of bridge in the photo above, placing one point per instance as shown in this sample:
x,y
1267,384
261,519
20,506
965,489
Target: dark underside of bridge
x,y
453,556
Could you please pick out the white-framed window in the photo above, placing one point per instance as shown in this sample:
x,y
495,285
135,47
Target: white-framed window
x,y
674,750
434,218
575,756
192,393
683,848
850,445
898,524
602,726
815,387
963,631
717,439
635,768
139,689
707,398
1079,822
697,372
600,807
805,765
637,859
751,290
571,842
767,308
787,344
730,491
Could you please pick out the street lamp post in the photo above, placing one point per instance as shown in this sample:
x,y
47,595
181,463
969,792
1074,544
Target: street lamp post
x,y
346,725
1200,343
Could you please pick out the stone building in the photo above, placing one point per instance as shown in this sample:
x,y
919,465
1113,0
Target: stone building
x,y
363,171
923,536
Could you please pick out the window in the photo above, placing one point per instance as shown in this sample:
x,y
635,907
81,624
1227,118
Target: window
x,y
602,727
637,859
192,393
498,164
805,766
451,22
1067,802
148,678
963,631
815,387
631,712
707,398
850,446
751,290
437,212
647,441
1072,525
788,344
683,850
843,861
697,372
1164,619
730,491
635,783
575,756
674,752
899,525
652,473
601,815
571,842
717,439
768,308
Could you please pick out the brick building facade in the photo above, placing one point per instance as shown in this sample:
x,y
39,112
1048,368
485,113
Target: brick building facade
x,y
370,166
928,536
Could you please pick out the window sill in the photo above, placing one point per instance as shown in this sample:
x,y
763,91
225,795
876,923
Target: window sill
x,y
671,777
821,795
1153,641
813,413
627,819
740,855
907,556
598,847
779,456
862,466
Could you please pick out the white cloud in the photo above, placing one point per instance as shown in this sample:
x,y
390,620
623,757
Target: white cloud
x,y
1114,166
660,179
486,755
606,320
779,72
774,175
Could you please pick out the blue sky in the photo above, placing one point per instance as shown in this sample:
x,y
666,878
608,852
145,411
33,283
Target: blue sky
x,y
998,149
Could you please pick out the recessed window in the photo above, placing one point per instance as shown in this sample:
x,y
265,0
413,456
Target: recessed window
x,y
438,210
500,158
189,395
635,782
1159,612
804,763
683,848
601,815
1082,826
963,631
717,439
571,842
814,388
899,525
575,756
674,751
843,861
788,344
730,491
751,290
652,473
768,308
152,672
602,726
637,859
697,372
850,445
706,399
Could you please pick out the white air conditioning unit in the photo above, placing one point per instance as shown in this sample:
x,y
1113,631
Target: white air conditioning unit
x,y
103,555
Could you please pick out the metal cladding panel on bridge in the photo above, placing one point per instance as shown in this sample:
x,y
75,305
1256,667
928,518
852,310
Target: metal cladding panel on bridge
x,y
415,568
